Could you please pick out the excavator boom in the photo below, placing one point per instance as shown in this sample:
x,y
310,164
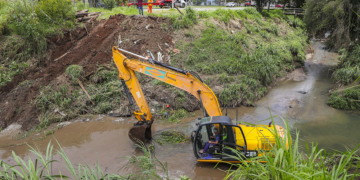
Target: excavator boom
x,y
174,76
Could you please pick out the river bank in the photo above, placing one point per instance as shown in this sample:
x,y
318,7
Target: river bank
x,y
104,139
252,53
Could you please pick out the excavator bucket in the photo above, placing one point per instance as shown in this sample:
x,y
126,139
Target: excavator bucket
x,y
140,133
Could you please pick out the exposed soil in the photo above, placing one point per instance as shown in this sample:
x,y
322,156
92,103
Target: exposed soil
x,y
87,46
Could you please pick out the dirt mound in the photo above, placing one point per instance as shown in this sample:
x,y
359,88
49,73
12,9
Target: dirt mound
x,y
88,46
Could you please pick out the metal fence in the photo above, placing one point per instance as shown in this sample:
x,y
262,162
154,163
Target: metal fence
x,y
294,11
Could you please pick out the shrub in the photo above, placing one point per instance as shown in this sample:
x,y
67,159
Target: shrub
x,y
4,16
349,99
57,10
74,71
188,20
109,3
80,6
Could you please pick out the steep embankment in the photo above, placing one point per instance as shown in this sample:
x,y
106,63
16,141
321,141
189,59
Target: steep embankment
x,y
239,54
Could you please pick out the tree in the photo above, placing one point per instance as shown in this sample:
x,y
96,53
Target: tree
x,y
299,3
260,4
337,16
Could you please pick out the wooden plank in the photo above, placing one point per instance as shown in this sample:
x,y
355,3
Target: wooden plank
x,y
87,94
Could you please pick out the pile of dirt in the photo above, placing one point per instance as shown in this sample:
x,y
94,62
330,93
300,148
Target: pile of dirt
x,y
88,46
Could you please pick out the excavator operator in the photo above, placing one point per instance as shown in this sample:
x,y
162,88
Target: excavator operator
x,y
215,140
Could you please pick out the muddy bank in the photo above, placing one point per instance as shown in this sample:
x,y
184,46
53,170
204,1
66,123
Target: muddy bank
x,y
89,47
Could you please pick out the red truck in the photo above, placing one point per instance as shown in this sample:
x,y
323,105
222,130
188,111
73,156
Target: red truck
x,y
250,3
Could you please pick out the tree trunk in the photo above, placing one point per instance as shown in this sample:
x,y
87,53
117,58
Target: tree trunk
x,y
269,6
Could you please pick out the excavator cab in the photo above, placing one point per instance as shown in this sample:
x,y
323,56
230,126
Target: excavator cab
x,y
231,137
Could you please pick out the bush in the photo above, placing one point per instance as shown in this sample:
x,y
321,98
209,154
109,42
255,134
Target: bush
x,y
80,6
74,71
186,21
109,3
4,16
57,10
349,99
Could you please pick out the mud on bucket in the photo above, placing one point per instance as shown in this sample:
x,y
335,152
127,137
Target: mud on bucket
x,y
140,133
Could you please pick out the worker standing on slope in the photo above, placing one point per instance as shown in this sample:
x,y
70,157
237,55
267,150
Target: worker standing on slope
x,y
150,6
140,6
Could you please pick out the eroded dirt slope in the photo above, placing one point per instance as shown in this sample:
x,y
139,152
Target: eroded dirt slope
x,y
89,47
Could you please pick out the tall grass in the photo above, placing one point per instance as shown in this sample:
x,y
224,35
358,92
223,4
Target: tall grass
x,y
290,163
146,166
41,167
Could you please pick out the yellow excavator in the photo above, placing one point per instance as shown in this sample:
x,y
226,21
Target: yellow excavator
x,y
247,140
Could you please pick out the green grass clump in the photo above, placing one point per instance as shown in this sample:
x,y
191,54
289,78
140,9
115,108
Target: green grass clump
x,y
224,78
348,99
188,20
174,137
348,70
147,166
290,163
347,73
175,116
74,71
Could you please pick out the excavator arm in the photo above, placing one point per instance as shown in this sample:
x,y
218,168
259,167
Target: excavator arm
x,y
177,77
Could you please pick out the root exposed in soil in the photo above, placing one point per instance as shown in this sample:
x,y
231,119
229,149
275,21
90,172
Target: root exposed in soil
x,y
88,47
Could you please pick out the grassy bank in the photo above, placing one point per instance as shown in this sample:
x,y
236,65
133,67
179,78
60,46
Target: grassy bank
x,y
24,28
242,51
346,95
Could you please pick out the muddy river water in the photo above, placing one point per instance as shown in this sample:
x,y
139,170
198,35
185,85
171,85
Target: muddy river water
x,y
104,139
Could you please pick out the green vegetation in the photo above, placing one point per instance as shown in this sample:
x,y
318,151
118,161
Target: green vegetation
x,y
174,137
41,168
61,103
338,16
106,13
34,21
74,71
147,166
260,52
176,115
290,163
109,3
347,74
24,26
